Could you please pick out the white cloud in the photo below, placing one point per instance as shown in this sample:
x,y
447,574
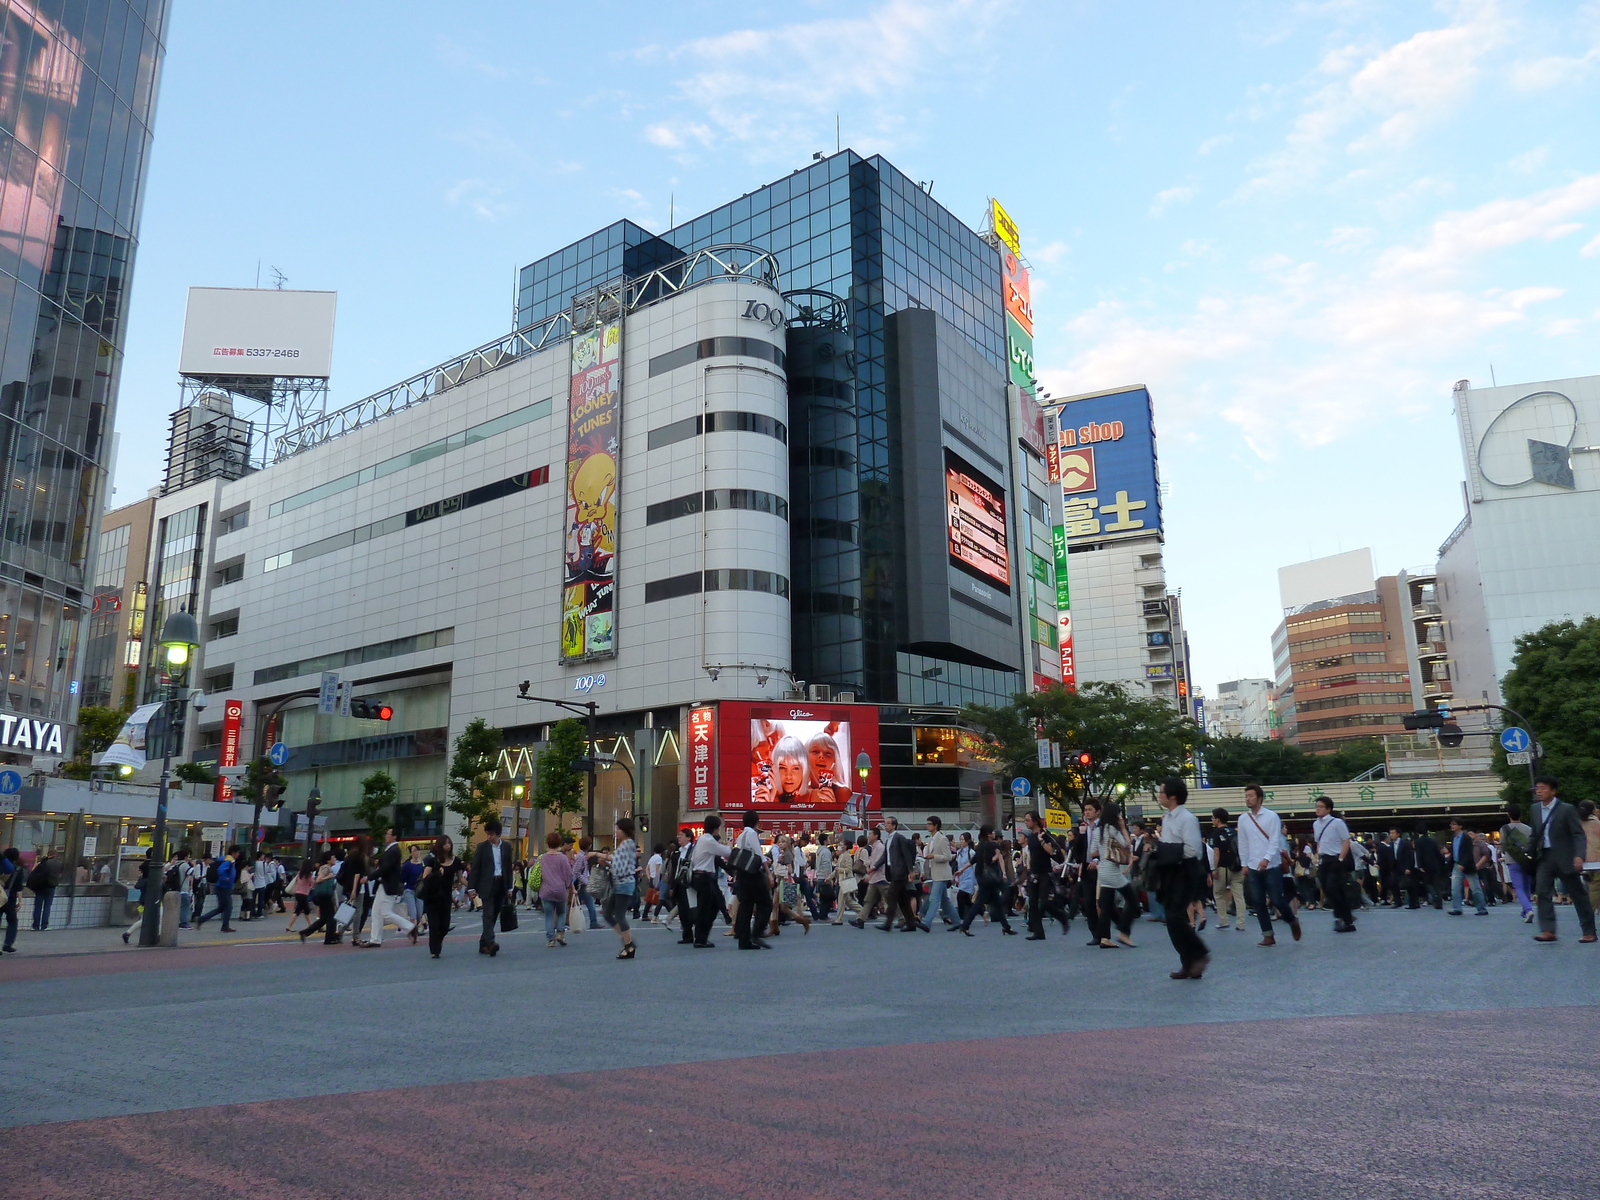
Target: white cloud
x,y
1540,74
1390,95
1592,250
1172,195
1531,160
1457,237
1348,237
1214,143
774,90
1306,355
1050,253
479,197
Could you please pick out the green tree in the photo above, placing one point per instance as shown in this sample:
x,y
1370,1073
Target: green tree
x,y
1352,758
194,772
1133,741
1236,761
471,775
97,729
1552,683
558,789
378,792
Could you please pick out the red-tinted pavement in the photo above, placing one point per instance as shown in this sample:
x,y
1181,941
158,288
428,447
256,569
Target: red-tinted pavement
x,y
1477,1104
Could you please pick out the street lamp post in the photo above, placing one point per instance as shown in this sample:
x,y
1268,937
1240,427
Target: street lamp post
x,y
587,708
179,637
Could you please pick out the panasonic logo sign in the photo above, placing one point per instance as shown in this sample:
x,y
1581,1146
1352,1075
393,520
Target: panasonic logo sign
x,y
21,733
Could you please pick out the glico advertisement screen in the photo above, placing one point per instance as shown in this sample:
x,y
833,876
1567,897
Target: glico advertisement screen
x,y
797,758
976,512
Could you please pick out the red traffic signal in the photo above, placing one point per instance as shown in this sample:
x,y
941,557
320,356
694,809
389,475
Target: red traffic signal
x,y
371,710
1084,760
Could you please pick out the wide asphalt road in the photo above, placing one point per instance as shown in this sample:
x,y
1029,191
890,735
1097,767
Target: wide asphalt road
x,y
1423,1056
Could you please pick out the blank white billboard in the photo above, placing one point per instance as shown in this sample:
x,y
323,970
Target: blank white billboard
x,y
257,331
1326,578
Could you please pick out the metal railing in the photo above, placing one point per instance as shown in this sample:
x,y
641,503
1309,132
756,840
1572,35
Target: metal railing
x,y
733,261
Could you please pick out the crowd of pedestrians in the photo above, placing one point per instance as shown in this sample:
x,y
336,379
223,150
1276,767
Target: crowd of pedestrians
x,y
1178,872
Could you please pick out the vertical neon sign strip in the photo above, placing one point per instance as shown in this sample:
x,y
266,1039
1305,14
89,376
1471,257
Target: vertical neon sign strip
x,y
589,554
1069,670
702,758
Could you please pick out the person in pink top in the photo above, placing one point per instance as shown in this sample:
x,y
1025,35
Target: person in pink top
x,y
554,889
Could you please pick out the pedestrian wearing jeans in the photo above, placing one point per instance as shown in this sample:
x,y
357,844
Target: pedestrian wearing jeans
x,y
1464,870
1227,874
228,869
555,883
1516,845
939,876
1261,852
1332,838
1181,867
1558,849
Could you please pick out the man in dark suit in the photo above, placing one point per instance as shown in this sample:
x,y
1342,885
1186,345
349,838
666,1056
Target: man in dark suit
x,y
899,861
490,881
1430,865
1558,846
1388,877
1408,879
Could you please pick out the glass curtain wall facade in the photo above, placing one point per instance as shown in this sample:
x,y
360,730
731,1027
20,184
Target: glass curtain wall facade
x,y
859,230
78,81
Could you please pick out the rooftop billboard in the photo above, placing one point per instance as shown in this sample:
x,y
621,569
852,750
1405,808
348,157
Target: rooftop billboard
x,y
1108,468
258,331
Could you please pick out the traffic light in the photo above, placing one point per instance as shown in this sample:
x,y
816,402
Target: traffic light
x,y
1083,760
371,710
583,765
1449,732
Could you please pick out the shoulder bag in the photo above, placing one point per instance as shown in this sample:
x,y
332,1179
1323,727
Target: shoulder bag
x,y
1284,863
747,862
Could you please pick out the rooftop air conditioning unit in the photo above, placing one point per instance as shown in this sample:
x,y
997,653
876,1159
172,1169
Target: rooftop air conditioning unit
x,y
819,693
794,694
844,697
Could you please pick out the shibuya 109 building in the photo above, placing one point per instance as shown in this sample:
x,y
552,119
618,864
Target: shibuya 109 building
x,y
769,490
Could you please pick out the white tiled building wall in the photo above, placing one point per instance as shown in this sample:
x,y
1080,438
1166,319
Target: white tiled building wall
x,y
493,572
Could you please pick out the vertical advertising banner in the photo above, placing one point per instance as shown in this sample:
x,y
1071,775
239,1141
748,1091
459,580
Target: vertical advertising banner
x,y
1069,671
228,752
702,757
594,428
1108,468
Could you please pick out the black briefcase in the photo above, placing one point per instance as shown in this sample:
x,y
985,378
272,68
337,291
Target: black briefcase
x,y
508,916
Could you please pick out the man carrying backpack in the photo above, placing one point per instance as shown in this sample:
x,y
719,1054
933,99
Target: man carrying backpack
x,y
42,882
1227,874
223,875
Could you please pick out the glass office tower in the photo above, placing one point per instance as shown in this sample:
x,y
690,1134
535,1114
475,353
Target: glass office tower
x,y
858,231
78,82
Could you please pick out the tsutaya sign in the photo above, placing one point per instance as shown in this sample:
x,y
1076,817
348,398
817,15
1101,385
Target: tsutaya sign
x,y
24,733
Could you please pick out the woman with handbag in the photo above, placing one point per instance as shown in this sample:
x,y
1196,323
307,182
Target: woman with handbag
x,y
1181,877
991,858
436,889
787,901
324,894
300,889
1111,856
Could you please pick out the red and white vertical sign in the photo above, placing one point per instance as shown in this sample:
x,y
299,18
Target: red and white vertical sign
x,y
232,719
702,757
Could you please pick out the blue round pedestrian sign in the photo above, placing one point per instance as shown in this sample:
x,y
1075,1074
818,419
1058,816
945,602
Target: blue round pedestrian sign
x,y
1020,787
279,754
1515,740
10,783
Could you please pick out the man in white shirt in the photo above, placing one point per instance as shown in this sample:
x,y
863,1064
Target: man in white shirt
x,y
1182,880
1261,852
1332,839
755,897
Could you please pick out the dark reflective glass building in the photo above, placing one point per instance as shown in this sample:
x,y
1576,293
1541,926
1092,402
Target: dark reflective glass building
x,y
78,81
860,245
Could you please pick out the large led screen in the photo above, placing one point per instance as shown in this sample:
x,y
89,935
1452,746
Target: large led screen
x,y
800,764
975,507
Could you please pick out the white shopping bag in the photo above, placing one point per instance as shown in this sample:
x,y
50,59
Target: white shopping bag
x,y
345,914
577,918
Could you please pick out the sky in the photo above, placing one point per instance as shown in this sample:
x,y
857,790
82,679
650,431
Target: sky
x,y
1298,223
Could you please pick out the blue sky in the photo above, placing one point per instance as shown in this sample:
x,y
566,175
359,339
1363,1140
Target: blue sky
x,y
1299,224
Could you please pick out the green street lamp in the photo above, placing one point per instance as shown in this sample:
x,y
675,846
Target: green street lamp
x,y
180,637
